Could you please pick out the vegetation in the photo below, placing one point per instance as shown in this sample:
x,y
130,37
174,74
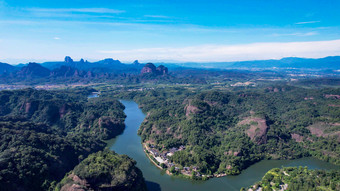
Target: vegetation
x,y
44,134
226,131
298,178
105,170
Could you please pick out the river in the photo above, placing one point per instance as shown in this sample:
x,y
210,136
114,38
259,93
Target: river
x,y
93,95
129,143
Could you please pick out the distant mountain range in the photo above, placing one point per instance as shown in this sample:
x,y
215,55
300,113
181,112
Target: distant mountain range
x,y
80,71
6,68
331,62
113,69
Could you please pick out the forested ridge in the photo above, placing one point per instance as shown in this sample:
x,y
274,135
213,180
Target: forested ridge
x,y
224,132
45,134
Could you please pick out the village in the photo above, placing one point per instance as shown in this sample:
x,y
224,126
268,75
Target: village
x,y
161,160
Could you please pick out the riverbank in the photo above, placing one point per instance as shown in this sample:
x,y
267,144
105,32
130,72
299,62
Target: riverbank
x,y
164,164
130,143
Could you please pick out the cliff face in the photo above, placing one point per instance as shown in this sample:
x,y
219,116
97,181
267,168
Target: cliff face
x,y
104,170
150,68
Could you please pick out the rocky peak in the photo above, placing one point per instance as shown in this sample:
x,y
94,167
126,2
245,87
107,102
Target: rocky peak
x,y
150,68
136,62
68,59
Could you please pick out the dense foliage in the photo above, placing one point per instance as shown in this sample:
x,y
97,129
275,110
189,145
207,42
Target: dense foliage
x,y
105,170
226,131
44,134
293,178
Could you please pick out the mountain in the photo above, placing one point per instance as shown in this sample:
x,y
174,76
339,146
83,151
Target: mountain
x,y
150,68
103,66
45,134
104,170
6,68
136,63
332,62
33,70
68,71
162,70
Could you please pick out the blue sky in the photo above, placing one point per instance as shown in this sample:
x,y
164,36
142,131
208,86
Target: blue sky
x,y
179,31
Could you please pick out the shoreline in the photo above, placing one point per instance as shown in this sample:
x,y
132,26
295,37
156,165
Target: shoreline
x,y
147,154
202,177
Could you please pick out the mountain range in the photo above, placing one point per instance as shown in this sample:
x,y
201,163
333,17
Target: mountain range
x,y
78,70
331,62
113,69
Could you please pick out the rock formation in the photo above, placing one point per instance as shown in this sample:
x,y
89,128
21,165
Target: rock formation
x,y
162,70
68,59
150,68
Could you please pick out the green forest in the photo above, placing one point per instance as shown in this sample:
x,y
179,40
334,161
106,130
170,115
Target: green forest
x,y
298,178
104,170
225,131
56,138
45,134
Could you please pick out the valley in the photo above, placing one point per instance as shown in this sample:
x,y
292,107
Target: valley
x,y
181,128
129,143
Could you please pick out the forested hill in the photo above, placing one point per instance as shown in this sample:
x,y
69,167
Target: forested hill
x,y
104,170
215,132
45,134
293,178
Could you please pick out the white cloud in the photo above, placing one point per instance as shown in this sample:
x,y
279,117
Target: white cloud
x,y
157,16
76,10
56,38
297,34
220,53
306,22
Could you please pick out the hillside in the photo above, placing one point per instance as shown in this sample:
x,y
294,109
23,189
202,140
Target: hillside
x,y
104,170
45,134
216,133
6,68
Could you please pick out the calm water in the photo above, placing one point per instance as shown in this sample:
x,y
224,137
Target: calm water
x,y
129,143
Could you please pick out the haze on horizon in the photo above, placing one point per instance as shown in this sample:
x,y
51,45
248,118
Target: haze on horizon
x,y
168,31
